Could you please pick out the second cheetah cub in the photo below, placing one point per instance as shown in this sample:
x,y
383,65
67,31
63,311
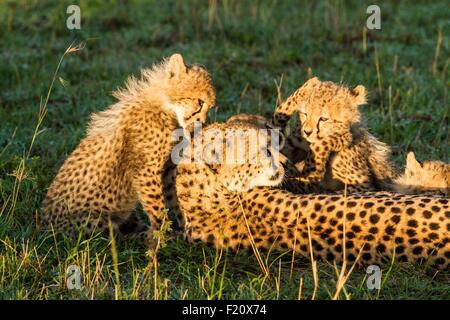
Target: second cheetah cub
x,y
341,150
431,177
124,158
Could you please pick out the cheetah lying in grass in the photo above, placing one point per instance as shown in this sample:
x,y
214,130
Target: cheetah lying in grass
x,y
126,153
431,177
341,151
373,228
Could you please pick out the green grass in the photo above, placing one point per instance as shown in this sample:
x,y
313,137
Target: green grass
x,y
248,46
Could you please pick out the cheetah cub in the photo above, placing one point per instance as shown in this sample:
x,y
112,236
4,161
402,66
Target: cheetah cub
x,y
125,156
341,150
431,177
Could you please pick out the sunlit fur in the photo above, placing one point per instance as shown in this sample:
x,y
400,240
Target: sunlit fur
x,y
125,155
343,151
226,149
253,119
370,228
431,177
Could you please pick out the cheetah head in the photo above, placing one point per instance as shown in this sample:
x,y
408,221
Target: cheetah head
x,y
189,91
243,157
326,108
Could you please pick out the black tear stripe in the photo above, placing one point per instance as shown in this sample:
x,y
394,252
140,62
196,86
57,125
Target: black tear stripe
x,y
195,113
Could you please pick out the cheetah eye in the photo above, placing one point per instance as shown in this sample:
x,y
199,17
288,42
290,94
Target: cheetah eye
x,y
201,103
323,119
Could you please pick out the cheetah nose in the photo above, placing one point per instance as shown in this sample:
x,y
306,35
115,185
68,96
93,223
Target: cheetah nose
x,y
308,133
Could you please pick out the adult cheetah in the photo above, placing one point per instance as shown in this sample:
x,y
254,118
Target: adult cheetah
x,y
126,152
342,152
377,227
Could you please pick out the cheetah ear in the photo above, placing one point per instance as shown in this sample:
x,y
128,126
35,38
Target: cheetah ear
x,y
176,66
412,164
312,82
359,93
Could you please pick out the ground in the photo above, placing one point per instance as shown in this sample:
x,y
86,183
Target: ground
x,y
249,47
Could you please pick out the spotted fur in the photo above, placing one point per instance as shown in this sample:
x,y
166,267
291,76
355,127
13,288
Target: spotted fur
x,y
341,151
377,227
126,154
431,177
